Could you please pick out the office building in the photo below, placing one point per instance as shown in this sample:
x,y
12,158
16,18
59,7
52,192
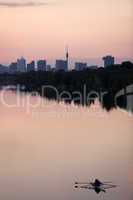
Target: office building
x,y
3,69
41,65
108,61
21,65
31,66
61,65
13,68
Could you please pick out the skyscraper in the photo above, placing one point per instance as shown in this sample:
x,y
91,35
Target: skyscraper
x,y
41,65
108,60
21,65
3,69
13,68
61,65
31,66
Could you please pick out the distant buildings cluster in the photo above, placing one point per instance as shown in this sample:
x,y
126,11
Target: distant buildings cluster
x,y
21,66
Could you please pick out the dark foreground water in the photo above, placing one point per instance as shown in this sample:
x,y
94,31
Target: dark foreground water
x,y
45,149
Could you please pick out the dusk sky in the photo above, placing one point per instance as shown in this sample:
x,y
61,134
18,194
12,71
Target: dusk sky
x,y
41,29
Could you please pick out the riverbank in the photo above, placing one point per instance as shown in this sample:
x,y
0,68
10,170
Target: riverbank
x,y
81,87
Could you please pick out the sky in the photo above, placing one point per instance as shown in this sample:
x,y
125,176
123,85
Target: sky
x,y
42,29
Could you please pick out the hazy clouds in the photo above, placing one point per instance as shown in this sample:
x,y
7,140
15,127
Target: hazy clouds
x,y
22,3
90,28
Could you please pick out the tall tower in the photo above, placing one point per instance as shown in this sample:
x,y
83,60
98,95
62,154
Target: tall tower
x,y
67,57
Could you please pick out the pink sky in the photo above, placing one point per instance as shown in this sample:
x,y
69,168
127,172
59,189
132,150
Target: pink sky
x,y
90,28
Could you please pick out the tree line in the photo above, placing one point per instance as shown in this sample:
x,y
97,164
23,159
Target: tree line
x,y
108,81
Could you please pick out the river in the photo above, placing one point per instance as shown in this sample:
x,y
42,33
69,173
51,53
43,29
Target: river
x,y
45,147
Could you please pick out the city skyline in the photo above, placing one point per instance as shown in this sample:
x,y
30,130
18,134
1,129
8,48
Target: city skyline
x,y
22,65
72,60
90,28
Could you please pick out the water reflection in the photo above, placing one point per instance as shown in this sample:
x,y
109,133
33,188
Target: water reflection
x,y
42,152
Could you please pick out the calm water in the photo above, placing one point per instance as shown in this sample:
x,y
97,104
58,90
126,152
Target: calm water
x,y
44,150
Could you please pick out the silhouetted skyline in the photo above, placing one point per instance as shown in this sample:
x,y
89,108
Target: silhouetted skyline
x,y
22,65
